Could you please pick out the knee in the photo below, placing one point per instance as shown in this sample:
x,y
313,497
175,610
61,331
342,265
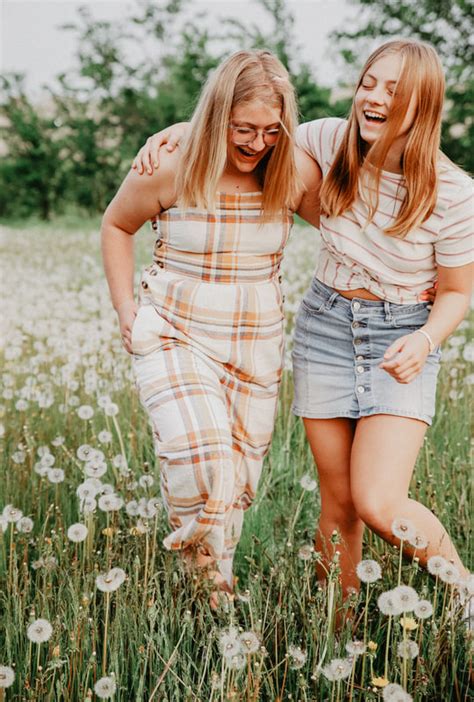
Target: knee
x,y
341,513
376,512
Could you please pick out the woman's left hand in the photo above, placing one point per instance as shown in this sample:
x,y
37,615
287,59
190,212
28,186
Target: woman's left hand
x,y
405,358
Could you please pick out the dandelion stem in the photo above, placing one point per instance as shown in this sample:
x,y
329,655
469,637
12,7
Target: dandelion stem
x,y
387,645
400,563
366,613
106,626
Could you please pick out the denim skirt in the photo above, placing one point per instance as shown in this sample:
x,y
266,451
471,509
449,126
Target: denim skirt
x,y
338,347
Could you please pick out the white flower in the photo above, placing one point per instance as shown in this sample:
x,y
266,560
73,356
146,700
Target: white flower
x,y
111,581
395,693
368,571
465,588
24,525
449,574
7,676
110,502
104,436
39,631
419,541
105,687
423,609
403,529
249,641
407,649
229,642
47,460
435,564
77,532
355,648
298,657
146,481
88,505
408,597
308,483
83,452
85,412
11,513
55,475
338,669
131,508
95,470
119,461
306,552
58,441
111,409
389,603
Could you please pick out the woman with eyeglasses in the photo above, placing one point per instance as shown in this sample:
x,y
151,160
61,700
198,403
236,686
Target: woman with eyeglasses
x,y
396,215
207,333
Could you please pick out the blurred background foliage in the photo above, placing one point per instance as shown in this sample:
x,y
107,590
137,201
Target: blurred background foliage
x,y
72,150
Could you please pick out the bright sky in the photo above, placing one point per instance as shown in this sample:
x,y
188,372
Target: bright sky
x,y
32,43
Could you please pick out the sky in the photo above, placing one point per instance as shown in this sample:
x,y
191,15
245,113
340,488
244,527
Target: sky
x,y
33,44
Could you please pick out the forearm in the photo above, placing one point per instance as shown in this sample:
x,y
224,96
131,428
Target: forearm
x,y
118,260
449,309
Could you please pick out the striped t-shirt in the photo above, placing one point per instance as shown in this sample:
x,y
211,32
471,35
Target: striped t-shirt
x,y
355,254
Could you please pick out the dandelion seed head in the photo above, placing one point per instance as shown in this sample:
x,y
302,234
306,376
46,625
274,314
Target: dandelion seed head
x,y
24,525
249,641
337,669
435,564
77,532
85,412
408,597
105,687
11,513
355,648
403,529
419,541
39,631
236,662
407,649
368,571
395,693
297,656
308,483
111,409
305,552
83,452
229,642
389,603
449,574
55,475
104,436
7,676
111,581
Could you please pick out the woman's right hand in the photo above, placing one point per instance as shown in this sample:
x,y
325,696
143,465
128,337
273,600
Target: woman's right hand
x,y
147,159
126,313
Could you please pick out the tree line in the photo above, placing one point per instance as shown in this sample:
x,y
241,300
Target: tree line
x,y
136,76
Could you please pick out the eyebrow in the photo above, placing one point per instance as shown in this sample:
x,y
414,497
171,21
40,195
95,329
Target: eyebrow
x,y
240,123
369,75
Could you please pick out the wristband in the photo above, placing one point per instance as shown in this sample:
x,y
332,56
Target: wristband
x,y
427,337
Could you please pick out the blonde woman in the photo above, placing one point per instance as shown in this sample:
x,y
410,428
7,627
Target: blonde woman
x,y
207,334
396,216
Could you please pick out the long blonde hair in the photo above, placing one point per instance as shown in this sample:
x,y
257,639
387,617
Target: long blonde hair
x,y
421,76
243,77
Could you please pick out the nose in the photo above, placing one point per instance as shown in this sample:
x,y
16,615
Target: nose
x,y
258,143
377,96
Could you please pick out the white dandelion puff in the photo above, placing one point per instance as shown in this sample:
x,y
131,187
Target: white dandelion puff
x,y
229,642
407,649
104,436
435,564
337,669
83,452
39,631
111,410
297,656
356,648
236,662
131,508
308,483
449,574
389,603
423,609
146,481
7,676
11,513
305,552
95,470
419,541
25,525
395,693
249,641
368,571
403,529
408,597
111,581
110,502
85,412
105,687
77,532
55,475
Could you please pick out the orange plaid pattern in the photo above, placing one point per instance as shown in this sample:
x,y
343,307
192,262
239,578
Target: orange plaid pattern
x,y
208,350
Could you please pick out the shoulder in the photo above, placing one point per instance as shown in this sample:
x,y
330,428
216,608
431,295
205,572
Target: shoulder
x,y
308,170
455,186
321,137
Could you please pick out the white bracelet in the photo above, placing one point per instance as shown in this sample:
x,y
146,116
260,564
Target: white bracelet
x,y
427,337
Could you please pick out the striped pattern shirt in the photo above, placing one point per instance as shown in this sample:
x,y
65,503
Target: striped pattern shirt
x,y
356,254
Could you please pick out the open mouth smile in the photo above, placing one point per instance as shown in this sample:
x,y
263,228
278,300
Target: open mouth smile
x,y
374,117
248,154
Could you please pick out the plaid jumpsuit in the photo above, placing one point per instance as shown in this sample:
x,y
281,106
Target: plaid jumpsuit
x,y
207,347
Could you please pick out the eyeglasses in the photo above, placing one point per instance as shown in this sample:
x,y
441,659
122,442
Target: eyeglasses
x,y
241,136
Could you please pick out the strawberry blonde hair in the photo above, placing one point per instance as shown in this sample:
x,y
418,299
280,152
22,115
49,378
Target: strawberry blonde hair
x,y
244,77
421,77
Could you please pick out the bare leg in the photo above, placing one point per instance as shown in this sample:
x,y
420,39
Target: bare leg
x,y
384,453
331,444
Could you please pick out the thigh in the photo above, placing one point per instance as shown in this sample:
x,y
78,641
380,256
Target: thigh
x,y
384,453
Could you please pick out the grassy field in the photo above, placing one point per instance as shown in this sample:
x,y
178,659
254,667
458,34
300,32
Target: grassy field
x,y
69,413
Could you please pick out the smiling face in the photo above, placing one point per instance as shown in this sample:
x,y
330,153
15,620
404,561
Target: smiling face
x,y
374,98
251,115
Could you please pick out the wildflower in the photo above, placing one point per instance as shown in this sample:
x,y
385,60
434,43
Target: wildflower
x,y
308,483
449,574
423,609
11,513
88,505
47,460
389,603
111,581
403,529
85,412
119,461
229,642
435,564
24,525
105,687
407,649
83,452
7,676
131,508
379,682
465,589
298,657
77,532
306,552
249,641
355,648
236,662
39,631
372,646
146,481
94,470
419,541
368,571
104,436
338,669
408,623
18,457
88,488
111,409
395,693
55,475
58,441
408,597
110,503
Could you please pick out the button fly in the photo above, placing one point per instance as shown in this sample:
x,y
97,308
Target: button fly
x,y
356,306
361,389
